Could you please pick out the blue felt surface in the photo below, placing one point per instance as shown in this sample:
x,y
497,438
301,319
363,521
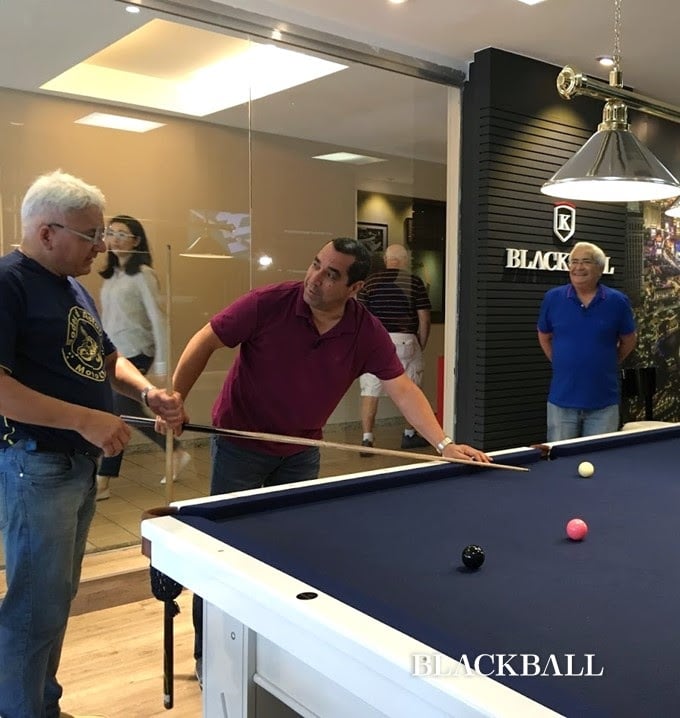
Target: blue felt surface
x,y
391,547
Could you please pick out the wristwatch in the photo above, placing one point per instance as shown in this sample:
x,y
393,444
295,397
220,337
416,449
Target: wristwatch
x,y
144,394
443,444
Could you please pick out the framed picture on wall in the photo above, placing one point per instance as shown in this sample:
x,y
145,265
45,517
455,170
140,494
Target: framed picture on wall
x,y
408,231
373,235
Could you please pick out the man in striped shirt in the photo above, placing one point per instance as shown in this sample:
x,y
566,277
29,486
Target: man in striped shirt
x,y
399,299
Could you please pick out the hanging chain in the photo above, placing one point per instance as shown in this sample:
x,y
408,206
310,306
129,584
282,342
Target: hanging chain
x,y
615,75
617,33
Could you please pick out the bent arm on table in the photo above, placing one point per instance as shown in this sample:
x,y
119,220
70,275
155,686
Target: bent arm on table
x,y
416,409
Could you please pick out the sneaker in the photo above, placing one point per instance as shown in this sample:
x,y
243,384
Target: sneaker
x,y
199,672
103,490
180,462
413,442
366,442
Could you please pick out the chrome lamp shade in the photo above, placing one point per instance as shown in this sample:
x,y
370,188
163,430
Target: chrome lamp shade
x,y
612,166
674,209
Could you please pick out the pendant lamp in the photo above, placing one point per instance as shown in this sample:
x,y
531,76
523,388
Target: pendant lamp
x,y
613,165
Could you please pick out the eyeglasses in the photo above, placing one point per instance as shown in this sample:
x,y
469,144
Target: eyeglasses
x,y
98,235
112,234
577,262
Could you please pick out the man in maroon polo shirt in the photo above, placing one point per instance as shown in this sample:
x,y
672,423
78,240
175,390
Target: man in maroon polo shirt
x,y
302,344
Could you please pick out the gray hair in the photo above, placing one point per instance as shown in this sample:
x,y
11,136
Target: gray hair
x,y
58,192
597,254
397,253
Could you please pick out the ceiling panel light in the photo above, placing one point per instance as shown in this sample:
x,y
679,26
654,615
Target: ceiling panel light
x,y
118,122
349,158
176,68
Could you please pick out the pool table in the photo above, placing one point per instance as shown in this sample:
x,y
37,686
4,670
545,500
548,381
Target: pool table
x,y
347,597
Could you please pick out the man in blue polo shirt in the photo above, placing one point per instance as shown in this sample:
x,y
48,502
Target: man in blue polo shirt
x,y
586,330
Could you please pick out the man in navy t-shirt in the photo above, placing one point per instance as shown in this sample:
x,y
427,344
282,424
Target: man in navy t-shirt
x,y
56,370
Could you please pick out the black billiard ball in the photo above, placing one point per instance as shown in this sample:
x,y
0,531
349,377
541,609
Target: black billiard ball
x,y
473,556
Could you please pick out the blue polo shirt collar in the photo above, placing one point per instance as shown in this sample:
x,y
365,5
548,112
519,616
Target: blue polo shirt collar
x,y
600,295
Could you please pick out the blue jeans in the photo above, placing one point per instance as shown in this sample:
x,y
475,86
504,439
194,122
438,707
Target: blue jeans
x,y
47,501
571,423
237,469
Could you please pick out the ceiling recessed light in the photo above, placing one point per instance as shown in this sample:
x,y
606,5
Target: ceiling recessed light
x,y
397,2
531,2
132,9
156,66
348,158
118,122
605,60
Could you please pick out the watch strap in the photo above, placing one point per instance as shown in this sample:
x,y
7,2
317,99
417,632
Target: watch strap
x,y
144,394
443,444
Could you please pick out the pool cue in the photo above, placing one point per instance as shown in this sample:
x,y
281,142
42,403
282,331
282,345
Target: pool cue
x,y
169,613
169,607
169,437
301,441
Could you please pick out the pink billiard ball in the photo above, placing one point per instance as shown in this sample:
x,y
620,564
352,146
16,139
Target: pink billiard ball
x,y
577,529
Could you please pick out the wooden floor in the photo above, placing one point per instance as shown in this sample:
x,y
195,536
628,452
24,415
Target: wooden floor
x,y
112,659
112,662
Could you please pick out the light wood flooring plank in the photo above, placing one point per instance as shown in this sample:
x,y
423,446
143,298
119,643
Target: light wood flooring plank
x,y
112,662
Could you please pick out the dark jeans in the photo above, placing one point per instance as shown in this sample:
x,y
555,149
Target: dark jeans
x,y
237,469
110,465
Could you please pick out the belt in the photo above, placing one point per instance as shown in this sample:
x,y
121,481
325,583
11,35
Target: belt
x,y
68,450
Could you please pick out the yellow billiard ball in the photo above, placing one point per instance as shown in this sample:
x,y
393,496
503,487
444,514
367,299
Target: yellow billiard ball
x,y
586,469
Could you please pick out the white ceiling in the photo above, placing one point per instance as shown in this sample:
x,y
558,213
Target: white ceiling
x,y
37,37
561,32
40,39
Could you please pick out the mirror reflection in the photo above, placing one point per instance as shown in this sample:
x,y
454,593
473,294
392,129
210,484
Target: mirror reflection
x,y
239,159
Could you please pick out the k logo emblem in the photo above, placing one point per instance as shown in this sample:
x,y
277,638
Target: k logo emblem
x,y
564,221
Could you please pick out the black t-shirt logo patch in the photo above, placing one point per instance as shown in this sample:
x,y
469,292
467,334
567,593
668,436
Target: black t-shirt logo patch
x,y
83,352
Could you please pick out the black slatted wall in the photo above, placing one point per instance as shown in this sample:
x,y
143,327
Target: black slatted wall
x,y
516,133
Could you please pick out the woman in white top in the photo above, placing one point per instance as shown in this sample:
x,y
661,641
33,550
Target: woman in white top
x,y
134,320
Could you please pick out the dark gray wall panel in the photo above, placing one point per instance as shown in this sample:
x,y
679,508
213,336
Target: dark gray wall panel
x,y
516,134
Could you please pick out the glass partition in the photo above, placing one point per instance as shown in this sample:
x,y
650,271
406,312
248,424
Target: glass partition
x,y
232,196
